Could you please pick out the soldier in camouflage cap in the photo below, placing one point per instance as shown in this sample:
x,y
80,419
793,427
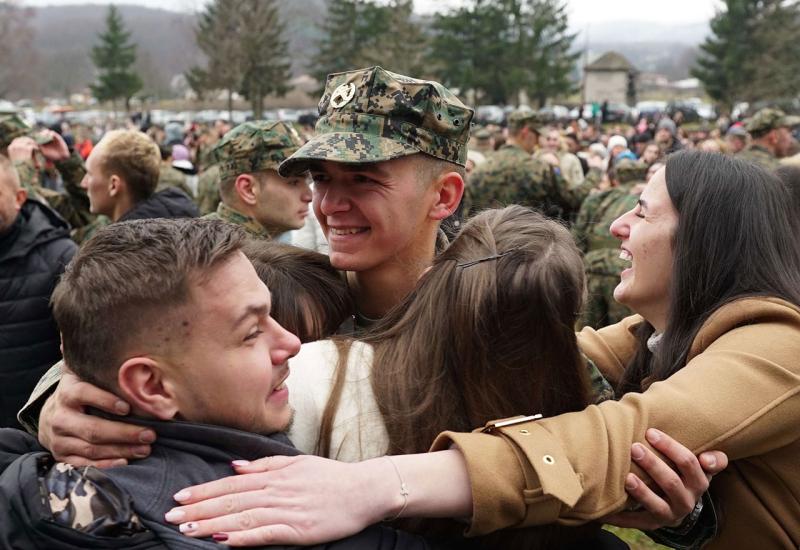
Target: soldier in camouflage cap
x,y
387,163
373,115
513,176
772,138
601,249
253,194
31,151
11,127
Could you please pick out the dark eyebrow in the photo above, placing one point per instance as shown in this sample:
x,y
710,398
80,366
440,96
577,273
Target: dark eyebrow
x,y
259,310
368,167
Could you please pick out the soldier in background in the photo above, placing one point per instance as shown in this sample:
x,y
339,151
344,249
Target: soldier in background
x,y
772,138
253,194
736,139
570,165
513,176
29,152
601,250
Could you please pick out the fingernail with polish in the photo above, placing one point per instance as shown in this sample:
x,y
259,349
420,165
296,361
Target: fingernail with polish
x,y
630,482
236,463
637,451
219,537
187,527
174,516
182,495
653,435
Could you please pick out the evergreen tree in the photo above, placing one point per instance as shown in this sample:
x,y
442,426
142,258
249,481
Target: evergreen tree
x,y
725,63
243,41
264,54
362,33
552,59
340,48
216,37
114,58
467,50
776,67
501,48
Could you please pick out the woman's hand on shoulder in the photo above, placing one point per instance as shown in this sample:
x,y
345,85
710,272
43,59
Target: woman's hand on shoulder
x,y
286,500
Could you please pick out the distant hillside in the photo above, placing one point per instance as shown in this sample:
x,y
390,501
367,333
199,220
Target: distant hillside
x,y
166,45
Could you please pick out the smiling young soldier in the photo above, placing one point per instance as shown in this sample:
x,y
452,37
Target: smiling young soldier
x,y
190,343
388,166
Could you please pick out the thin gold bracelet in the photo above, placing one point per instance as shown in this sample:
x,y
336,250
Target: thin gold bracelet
x,y
403,490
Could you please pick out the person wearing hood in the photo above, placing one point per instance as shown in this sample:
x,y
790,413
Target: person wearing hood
x,y
667,136
34,248
122,174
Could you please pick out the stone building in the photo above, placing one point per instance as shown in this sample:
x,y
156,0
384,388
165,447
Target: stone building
x,y
610,78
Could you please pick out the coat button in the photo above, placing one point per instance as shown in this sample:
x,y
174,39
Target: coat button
x,y
547,459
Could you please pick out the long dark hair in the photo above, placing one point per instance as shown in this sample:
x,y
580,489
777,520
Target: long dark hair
x,y
734,239
480,337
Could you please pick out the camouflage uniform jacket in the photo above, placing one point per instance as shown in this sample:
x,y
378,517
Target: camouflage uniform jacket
x,y
61,507
759,155
601,253
170,177
253,228
512,176
208,190
73,205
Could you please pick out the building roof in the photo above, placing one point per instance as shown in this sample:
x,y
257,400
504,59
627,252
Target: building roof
x,y
611,61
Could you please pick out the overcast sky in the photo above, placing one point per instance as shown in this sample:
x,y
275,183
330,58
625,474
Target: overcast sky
x,y
582,12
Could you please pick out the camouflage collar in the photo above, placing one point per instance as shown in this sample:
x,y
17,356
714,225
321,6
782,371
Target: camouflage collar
x,y
253,228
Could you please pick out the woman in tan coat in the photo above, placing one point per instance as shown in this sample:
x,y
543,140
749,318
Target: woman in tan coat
x,y
711,359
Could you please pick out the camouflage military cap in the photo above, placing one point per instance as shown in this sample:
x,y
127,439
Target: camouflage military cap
x,y
627,171
525,116
373,115
11,127
769,119
255,146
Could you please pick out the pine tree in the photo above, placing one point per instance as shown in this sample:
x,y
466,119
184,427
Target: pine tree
x,y
114,57
725,63
552,59
216,36
776,69
501,48
340,48
264,54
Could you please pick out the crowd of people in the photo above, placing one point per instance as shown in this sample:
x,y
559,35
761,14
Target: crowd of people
x,y
190,358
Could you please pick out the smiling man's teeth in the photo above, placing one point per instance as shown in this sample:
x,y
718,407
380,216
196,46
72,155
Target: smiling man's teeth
x,y
625,255
351,231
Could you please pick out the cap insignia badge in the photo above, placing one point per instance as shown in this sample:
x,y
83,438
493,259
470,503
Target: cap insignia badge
x,y
342,95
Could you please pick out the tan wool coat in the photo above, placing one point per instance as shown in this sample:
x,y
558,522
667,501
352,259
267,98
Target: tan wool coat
x,y
739,393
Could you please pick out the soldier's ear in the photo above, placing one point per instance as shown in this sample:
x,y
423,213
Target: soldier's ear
x,y
449,189
143,384
115,184
246,188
